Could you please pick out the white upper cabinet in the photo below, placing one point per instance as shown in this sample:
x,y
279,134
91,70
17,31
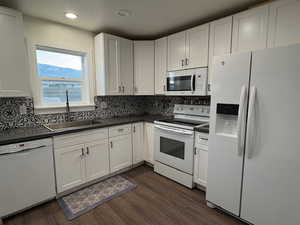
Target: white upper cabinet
x,y
284,23
197,47
114,65
220,37
144,67
126,66
161,49
250,29
176,51
14,78
188,49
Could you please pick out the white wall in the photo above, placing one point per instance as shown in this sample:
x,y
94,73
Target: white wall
x,y
51,34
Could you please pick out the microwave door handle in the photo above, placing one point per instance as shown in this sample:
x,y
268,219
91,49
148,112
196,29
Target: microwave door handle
x,y
193,82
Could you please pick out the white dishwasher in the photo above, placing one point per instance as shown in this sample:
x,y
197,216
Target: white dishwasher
x,y
26,175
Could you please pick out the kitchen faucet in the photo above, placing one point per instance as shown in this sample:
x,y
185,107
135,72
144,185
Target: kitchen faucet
x,y
68,116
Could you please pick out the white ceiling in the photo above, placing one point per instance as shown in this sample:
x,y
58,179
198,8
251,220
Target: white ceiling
x,y
150,18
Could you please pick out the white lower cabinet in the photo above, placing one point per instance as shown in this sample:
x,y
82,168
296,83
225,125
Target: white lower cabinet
x,y
97,160
149,142
200,167
120,152
89,155
138,143
80,158
70,167
201,159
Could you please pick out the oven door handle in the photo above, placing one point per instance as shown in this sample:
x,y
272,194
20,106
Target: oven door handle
x,y
178,131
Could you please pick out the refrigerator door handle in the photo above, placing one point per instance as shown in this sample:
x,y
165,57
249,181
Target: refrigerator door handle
x,y
250,133
240,122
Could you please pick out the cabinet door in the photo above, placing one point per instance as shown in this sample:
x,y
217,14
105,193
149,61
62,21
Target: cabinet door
x,y
120,152
219,41
126,66
176,51
14,79
107,60
70,167
149,142
97,159
143,67
250,30
160,65
197,47
138,142
284,27
200,167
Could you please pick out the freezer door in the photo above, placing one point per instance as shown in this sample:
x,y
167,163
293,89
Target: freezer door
x,y
271,187
227,130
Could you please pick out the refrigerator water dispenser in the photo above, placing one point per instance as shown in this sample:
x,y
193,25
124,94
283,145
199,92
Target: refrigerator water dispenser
x,y
227,117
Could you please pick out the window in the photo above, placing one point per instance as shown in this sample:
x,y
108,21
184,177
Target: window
x,y
60,72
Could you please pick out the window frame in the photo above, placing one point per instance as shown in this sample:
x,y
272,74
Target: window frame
x,y
84,105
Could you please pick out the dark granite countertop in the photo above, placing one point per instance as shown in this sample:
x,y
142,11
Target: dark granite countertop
x,y
11,136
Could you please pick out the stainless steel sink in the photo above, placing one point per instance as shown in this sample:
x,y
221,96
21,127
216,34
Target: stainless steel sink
x,y
72,124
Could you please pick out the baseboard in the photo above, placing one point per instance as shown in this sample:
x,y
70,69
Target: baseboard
x,y
200,187
149,164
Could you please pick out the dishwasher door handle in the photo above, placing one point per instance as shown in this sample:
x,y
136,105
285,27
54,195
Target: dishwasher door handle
x,y
23,150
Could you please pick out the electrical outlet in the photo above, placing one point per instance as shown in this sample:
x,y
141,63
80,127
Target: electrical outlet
x,y
23,109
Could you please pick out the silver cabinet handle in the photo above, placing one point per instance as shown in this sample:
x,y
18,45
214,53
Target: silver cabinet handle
x,y
82,152
121,129
164,87
204,139
251,120
111,144
88,150
186,61
240,122
182,62
123,89
120,89
134,129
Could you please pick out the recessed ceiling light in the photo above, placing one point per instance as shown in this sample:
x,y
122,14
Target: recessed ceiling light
x,y
71,15
124,12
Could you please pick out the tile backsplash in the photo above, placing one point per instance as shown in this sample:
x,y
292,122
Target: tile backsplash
x,y
19,112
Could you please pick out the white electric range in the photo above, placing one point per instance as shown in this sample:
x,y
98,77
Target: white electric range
x,y
174,142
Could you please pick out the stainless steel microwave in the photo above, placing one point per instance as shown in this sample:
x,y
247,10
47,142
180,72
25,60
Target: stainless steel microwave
x,y
187,82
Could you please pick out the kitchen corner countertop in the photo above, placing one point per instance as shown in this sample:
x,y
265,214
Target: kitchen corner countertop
x,y
17,135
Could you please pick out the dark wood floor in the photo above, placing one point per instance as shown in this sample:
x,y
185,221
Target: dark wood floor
x,y
156,201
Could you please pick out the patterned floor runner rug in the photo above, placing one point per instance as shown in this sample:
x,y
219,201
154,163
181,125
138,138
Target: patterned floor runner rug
x,y
84,200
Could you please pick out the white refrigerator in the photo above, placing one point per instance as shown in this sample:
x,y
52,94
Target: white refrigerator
x,y
254,140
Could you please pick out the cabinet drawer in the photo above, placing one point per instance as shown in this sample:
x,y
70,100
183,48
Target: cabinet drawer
x,y
80,137
201,140
119,130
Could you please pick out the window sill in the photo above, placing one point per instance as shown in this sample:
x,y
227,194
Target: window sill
x,y
62,109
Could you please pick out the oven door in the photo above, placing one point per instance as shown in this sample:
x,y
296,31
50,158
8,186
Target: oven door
x,y
174,147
